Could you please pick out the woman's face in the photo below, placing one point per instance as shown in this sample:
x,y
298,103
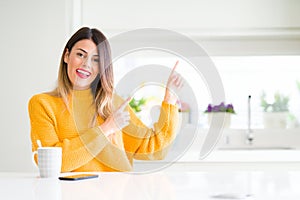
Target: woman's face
x,y
82,64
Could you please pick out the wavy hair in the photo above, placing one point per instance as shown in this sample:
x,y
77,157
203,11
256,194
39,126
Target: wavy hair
x,y
102,86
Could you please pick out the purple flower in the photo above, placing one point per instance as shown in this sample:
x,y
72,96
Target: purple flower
x,y
220,108
209,108
215,108
230,106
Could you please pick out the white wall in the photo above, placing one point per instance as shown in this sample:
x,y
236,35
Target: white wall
x,y
191,14
33,33
231,27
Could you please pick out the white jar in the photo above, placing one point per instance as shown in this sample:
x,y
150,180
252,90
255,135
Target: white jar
x,y
275,120
218,116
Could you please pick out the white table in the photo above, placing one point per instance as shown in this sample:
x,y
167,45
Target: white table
x,y
258,185
229,160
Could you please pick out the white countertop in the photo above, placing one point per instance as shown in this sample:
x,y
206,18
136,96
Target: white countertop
x,y
244,156
228,160
257,185
232,156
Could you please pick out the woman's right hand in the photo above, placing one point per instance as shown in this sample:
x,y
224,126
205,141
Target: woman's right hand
x,y
118,120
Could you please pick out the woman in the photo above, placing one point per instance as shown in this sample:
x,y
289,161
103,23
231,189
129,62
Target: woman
x,y
78,115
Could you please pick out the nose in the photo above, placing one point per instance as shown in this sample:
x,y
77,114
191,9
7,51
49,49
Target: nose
x,y
87,62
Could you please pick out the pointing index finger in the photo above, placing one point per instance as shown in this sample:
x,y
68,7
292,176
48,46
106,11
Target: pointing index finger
x,y
125,103
174,68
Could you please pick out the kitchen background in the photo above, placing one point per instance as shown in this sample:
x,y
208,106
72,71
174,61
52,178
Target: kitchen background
x,y
254,44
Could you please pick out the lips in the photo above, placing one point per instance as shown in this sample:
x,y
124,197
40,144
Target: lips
x,y
82,73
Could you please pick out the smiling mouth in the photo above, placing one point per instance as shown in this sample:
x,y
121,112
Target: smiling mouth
x,y
83,73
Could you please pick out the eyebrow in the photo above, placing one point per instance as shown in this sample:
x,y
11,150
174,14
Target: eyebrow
x,y
86,51
82,50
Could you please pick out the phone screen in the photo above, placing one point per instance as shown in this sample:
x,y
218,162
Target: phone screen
x,y
78,177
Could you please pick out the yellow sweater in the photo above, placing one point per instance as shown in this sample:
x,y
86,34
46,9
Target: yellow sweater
x,y
86,148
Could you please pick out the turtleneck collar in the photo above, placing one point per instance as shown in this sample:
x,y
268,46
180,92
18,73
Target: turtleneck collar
x,y
82,93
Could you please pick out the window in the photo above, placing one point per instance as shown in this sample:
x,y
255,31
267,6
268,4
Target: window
x,y
241,76
250,75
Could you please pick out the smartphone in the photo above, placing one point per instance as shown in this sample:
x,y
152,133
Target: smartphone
x,y
78,177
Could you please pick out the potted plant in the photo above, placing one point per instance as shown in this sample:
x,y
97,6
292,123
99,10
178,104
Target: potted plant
x,y
275,113
136,104
220,109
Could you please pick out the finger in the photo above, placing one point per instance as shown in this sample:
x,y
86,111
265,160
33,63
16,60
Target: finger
x,y
180,86
121,116
127,121
174,68
178,81
125,115
170,81
181,83
175,81
124,104
173,78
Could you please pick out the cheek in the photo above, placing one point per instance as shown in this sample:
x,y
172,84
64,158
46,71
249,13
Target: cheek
x,y
74,62
95,70
72,65
71,70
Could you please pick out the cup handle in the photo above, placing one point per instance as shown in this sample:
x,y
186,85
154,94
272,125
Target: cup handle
x,y
33,160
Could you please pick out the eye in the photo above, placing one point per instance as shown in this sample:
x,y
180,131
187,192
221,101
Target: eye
x,y
96,60
80,55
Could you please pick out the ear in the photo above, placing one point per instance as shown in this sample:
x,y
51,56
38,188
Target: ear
x,y
66,57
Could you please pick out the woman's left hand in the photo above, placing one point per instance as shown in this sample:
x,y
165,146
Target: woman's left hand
x,y
174,84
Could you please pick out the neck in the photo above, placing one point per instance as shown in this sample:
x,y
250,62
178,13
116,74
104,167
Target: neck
x,y
81,93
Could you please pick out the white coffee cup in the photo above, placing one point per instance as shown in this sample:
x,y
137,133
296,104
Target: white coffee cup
x,y
49,161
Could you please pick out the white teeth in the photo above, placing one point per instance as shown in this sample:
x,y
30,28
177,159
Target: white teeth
x,y
83,72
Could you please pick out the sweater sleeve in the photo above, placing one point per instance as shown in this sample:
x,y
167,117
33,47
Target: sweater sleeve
x,y
145,143
77,150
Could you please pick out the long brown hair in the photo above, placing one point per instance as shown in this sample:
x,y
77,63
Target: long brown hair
x,y
102,86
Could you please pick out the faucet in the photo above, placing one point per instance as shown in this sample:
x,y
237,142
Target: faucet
x,y
249,132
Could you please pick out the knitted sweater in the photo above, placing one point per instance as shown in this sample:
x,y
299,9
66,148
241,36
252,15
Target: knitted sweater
x,y
86,148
